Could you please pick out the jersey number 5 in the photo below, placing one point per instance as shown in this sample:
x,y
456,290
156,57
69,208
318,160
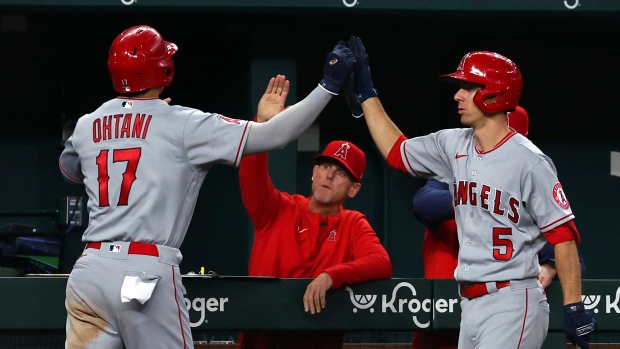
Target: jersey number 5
x,y
502,247
132,157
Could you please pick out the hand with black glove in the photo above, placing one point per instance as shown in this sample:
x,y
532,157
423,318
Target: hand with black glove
x,y
578,324
349,95
338,65
364,87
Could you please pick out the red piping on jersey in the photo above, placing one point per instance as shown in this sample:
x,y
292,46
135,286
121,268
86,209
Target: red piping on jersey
x,y
504,140
67,175
241,142
174,282
395,160
524,318
557,220
408,163
411,166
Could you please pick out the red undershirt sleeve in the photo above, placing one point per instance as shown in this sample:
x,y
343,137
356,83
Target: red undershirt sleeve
x,y
394,160
562,233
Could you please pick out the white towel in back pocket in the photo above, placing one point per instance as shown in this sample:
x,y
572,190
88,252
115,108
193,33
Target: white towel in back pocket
x,y
138,286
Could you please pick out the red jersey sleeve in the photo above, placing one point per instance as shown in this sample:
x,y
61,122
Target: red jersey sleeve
x,y
260,198
394,160
562,233
370,259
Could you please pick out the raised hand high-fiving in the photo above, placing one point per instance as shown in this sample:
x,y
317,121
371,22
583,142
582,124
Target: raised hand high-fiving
x,y
272,101
363,86
338,65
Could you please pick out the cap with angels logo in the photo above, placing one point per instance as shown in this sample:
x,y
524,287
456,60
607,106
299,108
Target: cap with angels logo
x,y
348,155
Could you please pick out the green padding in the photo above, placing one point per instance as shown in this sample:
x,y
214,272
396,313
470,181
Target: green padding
x,y
260,304
246,303
32,303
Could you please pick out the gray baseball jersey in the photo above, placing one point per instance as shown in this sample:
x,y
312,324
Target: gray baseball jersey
x,y
146,151
504,199
142,162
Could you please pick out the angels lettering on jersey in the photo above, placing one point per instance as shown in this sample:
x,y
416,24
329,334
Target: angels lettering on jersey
x,y
490,199
487,198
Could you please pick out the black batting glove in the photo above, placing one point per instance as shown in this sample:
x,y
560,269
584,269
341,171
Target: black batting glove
x,y
578,324
338,65
364,87
352,101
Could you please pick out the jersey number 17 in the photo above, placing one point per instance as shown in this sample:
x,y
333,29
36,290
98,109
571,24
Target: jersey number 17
x,y
132,157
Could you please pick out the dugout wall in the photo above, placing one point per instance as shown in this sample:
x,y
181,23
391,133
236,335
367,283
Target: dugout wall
x,y
381,314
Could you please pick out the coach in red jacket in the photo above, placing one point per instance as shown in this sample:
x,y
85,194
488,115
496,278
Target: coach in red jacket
x,y
310,237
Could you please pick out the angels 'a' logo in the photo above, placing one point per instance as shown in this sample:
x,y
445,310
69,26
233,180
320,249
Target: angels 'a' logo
x,y
343,151
560,198
332,236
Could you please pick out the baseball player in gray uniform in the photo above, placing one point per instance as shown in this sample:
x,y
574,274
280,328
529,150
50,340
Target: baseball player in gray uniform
x,y
507,200
142,162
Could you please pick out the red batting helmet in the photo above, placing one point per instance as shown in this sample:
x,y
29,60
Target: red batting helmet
x,y
140,59
500,76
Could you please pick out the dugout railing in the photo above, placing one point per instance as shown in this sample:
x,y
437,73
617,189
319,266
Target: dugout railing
x,y
383,312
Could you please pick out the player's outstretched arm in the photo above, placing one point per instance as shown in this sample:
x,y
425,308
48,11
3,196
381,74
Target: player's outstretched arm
x,y
289,124
257,191
383,131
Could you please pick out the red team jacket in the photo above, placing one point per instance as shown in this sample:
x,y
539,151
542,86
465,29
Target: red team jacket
x,y
440,250
290,241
